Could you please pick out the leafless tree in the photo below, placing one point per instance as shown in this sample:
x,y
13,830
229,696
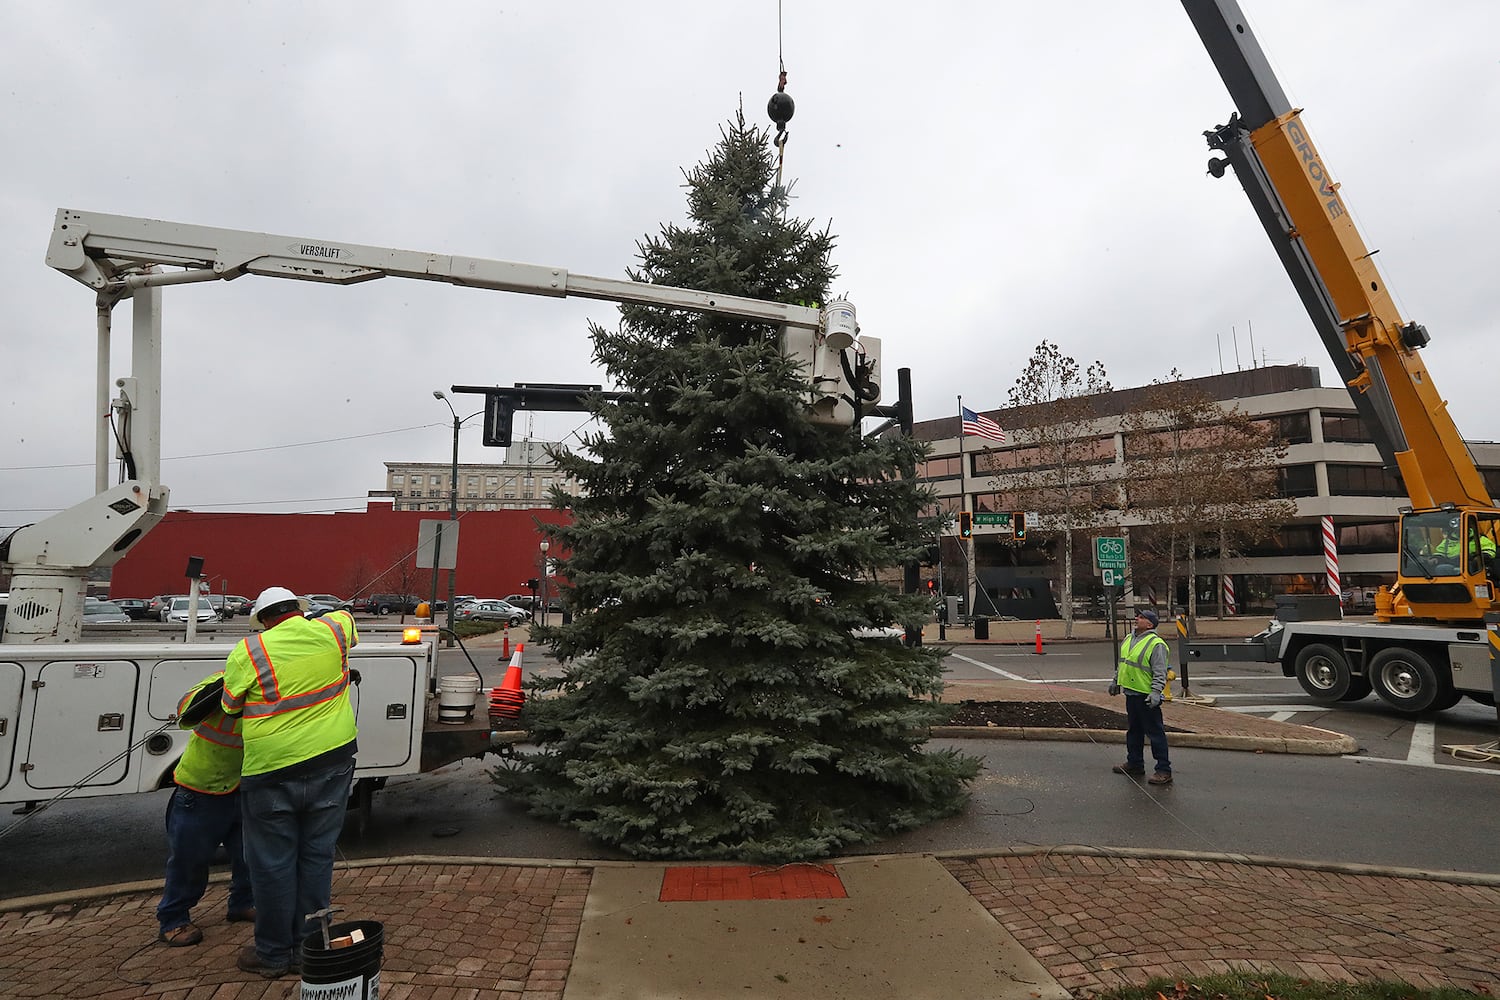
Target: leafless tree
x,y
1196,469
1059,456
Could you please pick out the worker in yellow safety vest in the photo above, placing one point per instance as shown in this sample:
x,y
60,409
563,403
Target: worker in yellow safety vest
x,y
290,684
203,812
1141,673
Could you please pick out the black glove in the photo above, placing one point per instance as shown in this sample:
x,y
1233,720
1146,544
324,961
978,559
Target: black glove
x,y
1114,689
203,704
354,674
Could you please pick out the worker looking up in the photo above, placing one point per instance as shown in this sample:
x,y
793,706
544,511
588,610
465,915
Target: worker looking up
x,y
291,684
203,813
1142,673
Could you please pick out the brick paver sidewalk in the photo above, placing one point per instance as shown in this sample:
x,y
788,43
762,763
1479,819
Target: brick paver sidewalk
x,y
1097,922
480,932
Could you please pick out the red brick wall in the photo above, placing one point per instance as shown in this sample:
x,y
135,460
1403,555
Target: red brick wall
x,y
331,553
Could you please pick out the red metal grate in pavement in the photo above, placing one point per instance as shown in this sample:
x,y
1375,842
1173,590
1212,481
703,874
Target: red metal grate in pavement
x,y
715,882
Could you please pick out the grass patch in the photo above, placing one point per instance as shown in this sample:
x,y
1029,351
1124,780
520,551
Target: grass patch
x,y
1260,986
469,629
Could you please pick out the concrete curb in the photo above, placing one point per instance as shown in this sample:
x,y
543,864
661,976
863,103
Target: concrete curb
x,y
1075,850
1259,860
1337,745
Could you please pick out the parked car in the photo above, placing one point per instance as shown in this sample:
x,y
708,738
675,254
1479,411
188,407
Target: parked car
x,y
490,610
160,604
328,600
177,611
97,612
384,604
235,604
138,608
218,602
522,601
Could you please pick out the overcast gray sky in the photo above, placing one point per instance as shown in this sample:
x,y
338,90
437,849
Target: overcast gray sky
x,y
996,174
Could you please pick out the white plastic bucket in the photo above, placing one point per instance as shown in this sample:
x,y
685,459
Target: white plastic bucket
x,y
457,696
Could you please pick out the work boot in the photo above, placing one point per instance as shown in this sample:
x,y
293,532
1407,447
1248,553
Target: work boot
x,y
180,937
1134,772
1160,778
250,961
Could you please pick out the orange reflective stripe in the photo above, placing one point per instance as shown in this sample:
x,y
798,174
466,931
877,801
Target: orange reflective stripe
x,y
340,638
220,737
264,672
262,710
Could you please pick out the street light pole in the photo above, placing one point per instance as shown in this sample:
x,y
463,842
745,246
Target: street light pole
x,y
545,545
452,498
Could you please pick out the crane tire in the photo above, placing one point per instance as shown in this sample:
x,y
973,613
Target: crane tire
x,y
1406,681
1323,672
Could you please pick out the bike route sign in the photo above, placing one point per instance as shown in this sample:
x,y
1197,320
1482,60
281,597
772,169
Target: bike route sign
x,y
1109,553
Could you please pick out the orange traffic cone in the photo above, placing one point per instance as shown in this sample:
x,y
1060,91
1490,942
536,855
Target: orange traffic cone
x,y
1039,635
507,699
505,646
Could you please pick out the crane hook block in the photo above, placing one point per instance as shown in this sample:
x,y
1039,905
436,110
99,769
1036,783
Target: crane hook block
x,y
781,107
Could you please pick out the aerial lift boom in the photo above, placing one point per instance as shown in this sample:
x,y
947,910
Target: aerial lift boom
x,y
121,257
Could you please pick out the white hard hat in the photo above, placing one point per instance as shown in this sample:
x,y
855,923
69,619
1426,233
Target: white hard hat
x,y
271,596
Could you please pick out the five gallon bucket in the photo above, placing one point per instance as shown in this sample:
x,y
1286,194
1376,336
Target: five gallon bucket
x,y
456,698
348,973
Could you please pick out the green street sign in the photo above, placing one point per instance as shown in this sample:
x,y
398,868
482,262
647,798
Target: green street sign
x,y
991,518
1109,553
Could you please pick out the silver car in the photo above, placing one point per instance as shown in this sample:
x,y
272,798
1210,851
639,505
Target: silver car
x,y
490,610
97,612
178,610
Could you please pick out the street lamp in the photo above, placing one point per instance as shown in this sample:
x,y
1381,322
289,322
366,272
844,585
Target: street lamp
x,y
544,546
452,503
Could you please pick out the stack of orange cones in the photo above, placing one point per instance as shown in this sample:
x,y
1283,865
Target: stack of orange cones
x,y
507,699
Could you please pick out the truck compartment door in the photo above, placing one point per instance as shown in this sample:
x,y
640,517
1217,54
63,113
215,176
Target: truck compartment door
x,y
84,716
11,678
388,704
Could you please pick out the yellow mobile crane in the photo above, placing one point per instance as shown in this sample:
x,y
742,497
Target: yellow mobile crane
x,y
1431,643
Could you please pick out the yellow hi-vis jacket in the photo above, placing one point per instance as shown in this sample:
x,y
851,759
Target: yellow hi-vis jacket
x,y
1135,668
291,685
211,762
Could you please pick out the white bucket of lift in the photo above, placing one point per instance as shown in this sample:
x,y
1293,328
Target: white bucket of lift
x,y
457,696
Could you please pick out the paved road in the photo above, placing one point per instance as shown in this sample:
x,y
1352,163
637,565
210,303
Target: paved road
x,y
1260,689
1393,803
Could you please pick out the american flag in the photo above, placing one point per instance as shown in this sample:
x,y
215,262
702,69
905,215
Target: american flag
x,y
981,426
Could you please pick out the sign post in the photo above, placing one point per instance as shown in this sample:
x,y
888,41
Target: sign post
x,y
1109,559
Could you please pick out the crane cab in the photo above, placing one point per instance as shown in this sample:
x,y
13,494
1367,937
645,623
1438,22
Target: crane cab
x,y
1448,566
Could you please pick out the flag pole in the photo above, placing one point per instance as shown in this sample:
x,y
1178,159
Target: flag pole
x,y
971,581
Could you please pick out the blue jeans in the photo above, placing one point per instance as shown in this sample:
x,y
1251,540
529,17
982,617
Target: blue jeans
x,y
196,825
291,830
1143,722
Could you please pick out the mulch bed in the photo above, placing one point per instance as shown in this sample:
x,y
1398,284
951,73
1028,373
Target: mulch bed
x,y
1038,714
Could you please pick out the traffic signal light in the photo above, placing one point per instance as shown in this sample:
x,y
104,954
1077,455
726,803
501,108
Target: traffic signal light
x,y
499,414
531,584
1018,525
965,524
931,586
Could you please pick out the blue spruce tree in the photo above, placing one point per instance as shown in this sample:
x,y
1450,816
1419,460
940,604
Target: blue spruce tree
x,y
713,701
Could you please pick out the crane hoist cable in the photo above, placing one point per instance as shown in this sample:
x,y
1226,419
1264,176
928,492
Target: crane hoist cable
x,y
780,107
